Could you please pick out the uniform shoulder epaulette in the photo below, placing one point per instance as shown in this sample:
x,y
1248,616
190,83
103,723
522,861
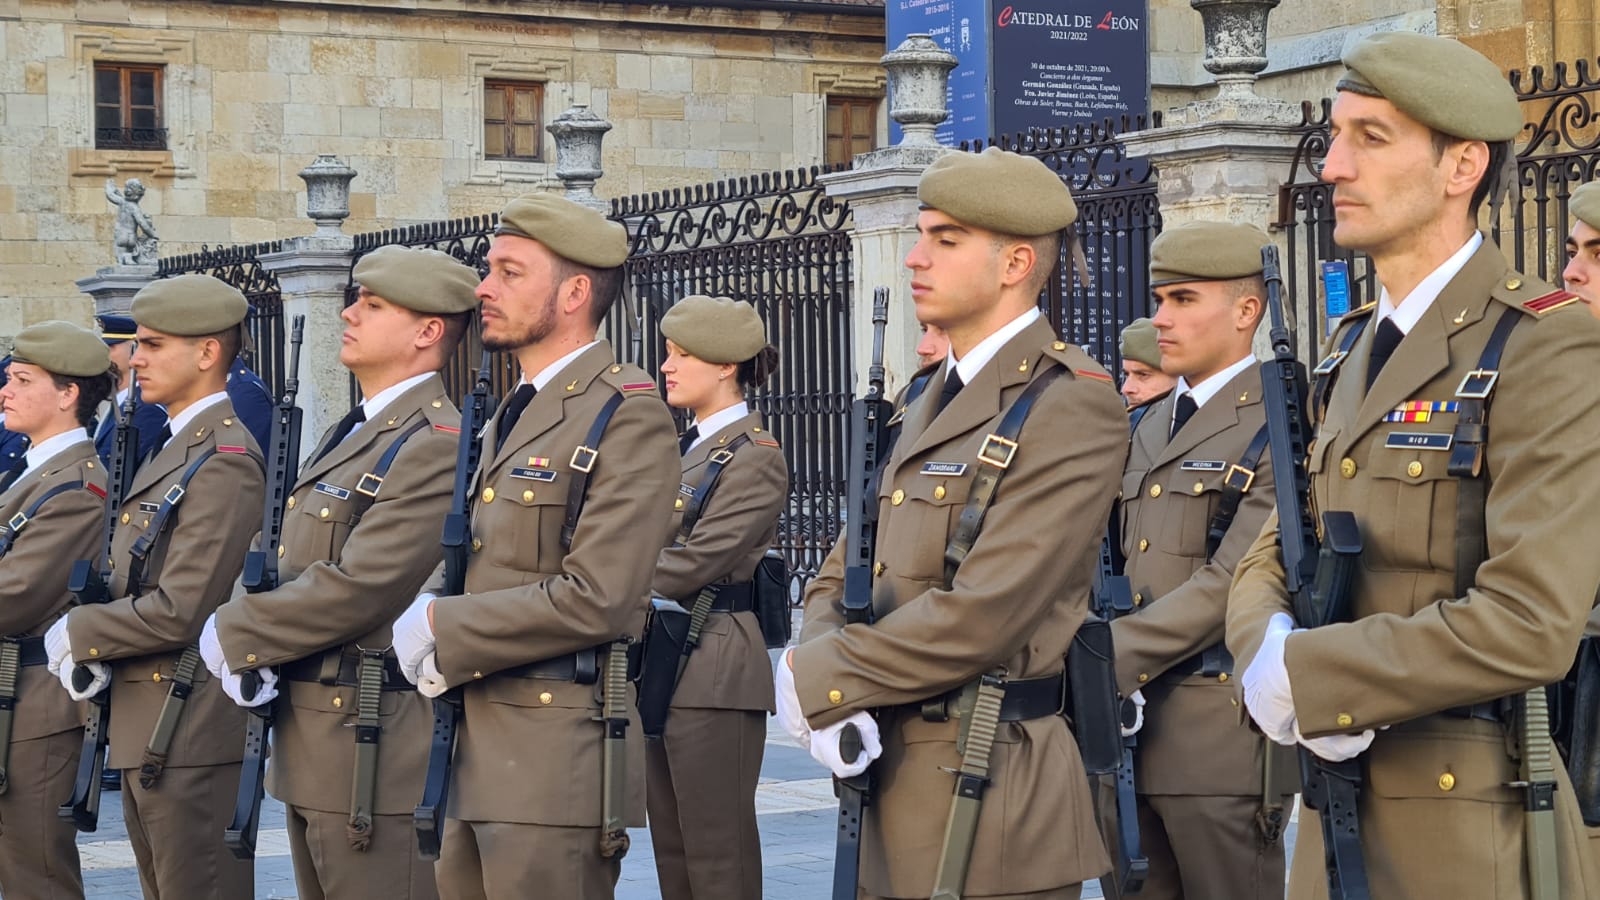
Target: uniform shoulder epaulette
x,y
1077,361
1361,310
759,435
1532,296
627,378
442,415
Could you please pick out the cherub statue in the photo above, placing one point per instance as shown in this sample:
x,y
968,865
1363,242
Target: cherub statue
x,y
133,238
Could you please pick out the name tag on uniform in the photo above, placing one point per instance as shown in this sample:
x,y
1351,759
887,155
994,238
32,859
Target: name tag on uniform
x,y
1411,440
686,489
332,490
1203,465
950,469
534,474
145,506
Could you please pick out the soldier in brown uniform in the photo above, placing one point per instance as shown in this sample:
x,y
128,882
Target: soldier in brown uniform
x,y
701,776
193,543
1450,623
1195,493
54,510
540,611
361,532
989,239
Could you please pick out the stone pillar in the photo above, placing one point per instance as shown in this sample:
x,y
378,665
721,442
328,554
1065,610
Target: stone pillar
x,y
313,273
113,287
881,187
578,134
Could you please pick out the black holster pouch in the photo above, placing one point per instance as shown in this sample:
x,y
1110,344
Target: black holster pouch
x,y
772,600
665,634
1583,761
1092,697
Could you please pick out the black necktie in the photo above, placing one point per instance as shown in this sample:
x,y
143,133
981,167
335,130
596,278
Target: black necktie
x,y
13,476
1180,415
511,413
687,439
952,386
162,436
346,425
1383,344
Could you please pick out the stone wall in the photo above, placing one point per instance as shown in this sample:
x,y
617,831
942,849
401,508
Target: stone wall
x,y
255,90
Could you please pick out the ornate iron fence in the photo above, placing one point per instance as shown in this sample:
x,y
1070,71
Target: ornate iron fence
x,y
781,243
1558,149
1118,217
240,266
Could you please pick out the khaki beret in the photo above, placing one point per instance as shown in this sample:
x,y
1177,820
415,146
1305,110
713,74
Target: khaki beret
x,y
1441,83
1585,204
715,329
1139,343
421,280
62,348
999,190
1206,251
189,306
571,231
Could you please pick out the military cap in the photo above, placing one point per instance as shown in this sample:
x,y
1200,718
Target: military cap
x,y
1139,343
1585,204
570,230
62,348
419,279
999,190
715,329
1441,83
1206,251
189,306
116,329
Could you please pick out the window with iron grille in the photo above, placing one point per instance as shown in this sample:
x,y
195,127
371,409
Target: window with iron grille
x,y
513,113
852,128
127,107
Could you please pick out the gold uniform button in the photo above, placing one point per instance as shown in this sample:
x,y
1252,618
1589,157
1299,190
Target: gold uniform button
x,y
281,551
546,698
250,658
290,504
897,498
1199,487
227,421
437,403
1347,467
1143,677
1414,469
1345,720
938,492
1511,285
756,429
1222,678
1138,599
1059,345
477,545
338,702
835,697
1447,782
324,512
124,518
1143,545
1155,490
94,651
615,369
156,677
878,568
89,465
477,674
678,503
527,496
488,495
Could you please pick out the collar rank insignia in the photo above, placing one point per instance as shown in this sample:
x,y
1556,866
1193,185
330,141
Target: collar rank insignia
x,y
1420,410
446,429
1551,301
639,386
1090,373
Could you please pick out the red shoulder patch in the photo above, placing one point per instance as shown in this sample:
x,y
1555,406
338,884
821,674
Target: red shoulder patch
x,y
1090,373
764,442
225,448
1553,300
447,429
96,490
640,386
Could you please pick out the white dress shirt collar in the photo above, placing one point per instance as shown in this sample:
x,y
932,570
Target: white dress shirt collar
x,y
968,366
719,420
40,453
1408,312
177,424
1207,389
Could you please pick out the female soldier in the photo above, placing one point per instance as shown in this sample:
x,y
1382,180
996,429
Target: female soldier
x,y
55,509
701,776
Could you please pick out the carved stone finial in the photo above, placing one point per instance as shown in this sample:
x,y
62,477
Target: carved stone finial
x,y
1236,43
327,193
579,133
919,75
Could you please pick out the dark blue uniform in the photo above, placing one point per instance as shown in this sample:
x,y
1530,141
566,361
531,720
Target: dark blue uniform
x,y
147,421
252,402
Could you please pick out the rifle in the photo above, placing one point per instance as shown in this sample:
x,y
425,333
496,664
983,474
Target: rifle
x,y
92,584
428,817
869,417
261,575
1113,597
1319,570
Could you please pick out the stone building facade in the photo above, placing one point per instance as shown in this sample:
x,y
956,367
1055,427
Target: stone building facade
x,y
221,104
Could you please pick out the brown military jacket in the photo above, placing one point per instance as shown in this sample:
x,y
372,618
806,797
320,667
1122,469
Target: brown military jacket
x,y
528,599
1192,741
1437,816
190,571
350,565
730,668
1016,602
33,575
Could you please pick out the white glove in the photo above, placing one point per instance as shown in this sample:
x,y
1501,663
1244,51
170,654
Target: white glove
x,y
57,647
413,636
1136,699
232,685
1266,684
825,745
1336,747
211,648
100,671
429,681
790,717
